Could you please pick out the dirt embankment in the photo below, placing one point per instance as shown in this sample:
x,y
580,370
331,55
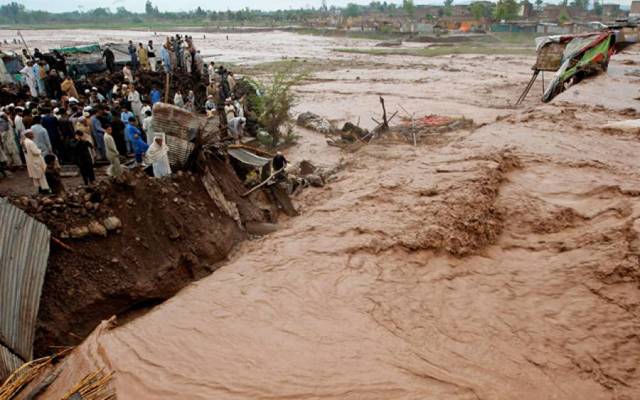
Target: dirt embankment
x,y
133,242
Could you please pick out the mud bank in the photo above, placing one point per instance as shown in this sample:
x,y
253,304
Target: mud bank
x,y
167,233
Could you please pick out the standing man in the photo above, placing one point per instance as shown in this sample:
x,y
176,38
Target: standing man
x,y
147,126
139,146
36,166
143,57
8,141
97,131
50,123
155,95
109,58
42,68
151,53
40,137
30,78
54,85
134,55
83,158
166,58
113,155
128,73
69,87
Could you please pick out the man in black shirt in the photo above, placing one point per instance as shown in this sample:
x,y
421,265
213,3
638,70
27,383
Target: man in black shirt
x,y
109,58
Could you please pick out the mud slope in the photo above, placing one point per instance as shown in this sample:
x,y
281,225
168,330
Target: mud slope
x,y
171,233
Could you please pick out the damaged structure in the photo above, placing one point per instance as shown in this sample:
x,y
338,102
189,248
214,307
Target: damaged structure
x,y
571,58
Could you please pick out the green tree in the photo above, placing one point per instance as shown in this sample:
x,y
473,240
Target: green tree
x,y
481,10
564,17
351,10
448,7
597,7
539,5
148,8
582,4
12,10
506,9
409,7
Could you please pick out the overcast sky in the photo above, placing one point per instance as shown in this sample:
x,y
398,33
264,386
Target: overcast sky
x,y
219,5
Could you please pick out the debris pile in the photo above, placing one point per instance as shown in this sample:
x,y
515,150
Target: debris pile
x,y
314,122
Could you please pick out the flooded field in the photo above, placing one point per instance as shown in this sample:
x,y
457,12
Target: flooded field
x,y
497,262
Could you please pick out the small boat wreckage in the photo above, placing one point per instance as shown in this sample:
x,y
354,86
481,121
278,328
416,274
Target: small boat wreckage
x,y
572,58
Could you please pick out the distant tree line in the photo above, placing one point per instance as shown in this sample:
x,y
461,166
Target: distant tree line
x,y
16,13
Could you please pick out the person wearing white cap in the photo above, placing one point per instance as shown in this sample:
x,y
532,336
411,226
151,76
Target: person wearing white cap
x,y
158,156
36,166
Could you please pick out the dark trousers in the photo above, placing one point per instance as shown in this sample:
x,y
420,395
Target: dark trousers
x,y
86,170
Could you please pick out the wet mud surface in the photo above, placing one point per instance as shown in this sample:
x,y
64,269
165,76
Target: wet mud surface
x,y
496,263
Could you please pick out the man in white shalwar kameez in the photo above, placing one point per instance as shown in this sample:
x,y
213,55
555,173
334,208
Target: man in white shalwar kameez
x,y
36,166
158,156
30,78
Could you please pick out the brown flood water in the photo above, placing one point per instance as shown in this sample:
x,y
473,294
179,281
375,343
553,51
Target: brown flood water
x,y
499,263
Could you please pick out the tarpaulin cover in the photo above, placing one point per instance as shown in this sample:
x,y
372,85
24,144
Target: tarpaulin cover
x,y
88,48
248,157
590,49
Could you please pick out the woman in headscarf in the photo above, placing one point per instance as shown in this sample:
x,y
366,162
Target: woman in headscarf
x,y
158,156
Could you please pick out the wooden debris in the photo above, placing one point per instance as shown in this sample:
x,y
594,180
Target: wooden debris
x,y
93,386
22,376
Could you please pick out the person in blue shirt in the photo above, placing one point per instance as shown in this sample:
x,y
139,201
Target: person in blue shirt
x,y
125,116
155,96
135,137
97,131
133,53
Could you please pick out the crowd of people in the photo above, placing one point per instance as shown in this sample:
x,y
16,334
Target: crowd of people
x,y
59,125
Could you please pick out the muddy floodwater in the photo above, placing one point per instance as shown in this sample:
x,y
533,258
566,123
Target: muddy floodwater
x,y
499,262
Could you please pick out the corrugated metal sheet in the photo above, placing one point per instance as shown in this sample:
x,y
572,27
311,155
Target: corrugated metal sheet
x,y
9,362
24,251
181,128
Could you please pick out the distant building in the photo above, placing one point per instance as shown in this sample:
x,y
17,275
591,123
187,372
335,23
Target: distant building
x,y
635,9
611,10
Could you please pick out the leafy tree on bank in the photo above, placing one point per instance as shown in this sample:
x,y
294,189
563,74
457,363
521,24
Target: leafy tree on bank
x,y
448,7
597,7
481,10
352,10
409,7
506,9
539,5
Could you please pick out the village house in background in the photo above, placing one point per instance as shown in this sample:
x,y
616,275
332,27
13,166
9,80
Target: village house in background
x,y
479,16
